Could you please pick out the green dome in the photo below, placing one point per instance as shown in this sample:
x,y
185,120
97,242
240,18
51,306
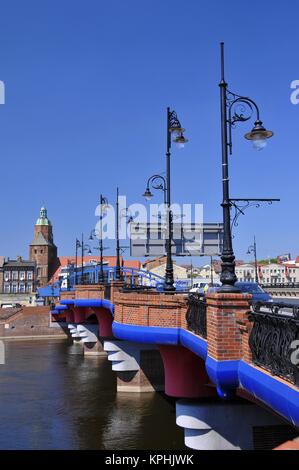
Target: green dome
x,y
43,218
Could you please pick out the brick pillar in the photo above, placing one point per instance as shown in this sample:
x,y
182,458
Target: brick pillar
x,y
225,313
116,286
227,334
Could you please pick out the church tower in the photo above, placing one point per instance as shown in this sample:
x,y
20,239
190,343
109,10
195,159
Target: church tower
x,y
42,249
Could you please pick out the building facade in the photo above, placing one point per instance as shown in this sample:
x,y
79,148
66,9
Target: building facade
x,y
42,249
273,273
158,266
18,276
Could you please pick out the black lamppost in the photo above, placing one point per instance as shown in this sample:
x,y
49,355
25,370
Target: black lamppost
x,y
173,127
119,215
84,247
234,108
211,272
103,207
78,245
252,249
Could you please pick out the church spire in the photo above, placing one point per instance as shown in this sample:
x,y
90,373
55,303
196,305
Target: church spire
x,y
43,217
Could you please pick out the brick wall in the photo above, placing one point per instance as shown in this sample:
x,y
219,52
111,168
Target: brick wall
x,y
28,321
67,295
228,327
89,292
150,309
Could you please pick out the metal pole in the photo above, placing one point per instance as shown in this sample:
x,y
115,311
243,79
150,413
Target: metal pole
x,y
76,261
82,255
255,261
212,278
228,276
101,243
169,281
191,272
117,271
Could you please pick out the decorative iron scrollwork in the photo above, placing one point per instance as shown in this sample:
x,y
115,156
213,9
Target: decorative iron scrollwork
x,y
272,338
173,122
196,315
240,206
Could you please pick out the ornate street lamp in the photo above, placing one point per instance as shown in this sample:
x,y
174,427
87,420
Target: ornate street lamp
x,y
103,208
155,182
234,108
252,249
158,182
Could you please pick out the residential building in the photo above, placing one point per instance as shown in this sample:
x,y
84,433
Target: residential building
x,y
272,273
158,266
18,276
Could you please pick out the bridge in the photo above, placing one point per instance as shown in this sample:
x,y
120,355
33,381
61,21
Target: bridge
x,y
230,364
282,290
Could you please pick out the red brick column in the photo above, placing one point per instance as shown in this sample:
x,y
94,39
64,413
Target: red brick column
x,y
116,286
228,326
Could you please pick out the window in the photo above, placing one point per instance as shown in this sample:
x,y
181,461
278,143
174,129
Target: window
x,y
22,275
22,287
30,275
29,287
14,288
15,275
7,276
6,288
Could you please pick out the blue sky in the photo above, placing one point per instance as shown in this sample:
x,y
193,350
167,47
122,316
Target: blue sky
x,y
87,85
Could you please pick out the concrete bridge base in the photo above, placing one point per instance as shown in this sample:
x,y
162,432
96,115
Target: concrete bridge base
x,y
227,426
139,367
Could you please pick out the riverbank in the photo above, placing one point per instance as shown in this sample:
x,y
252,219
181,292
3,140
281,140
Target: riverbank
x,y
29,323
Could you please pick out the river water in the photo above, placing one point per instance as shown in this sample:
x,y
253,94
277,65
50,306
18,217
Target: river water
x,y
51,398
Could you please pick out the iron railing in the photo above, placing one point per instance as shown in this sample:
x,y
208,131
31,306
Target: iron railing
x,y
139,288
196,315
274,338
292,285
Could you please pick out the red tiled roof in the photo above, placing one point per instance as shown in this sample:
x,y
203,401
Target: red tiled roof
x,y
289,445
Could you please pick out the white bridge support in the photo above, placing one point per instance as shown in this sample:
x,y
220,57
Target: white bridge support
x,y
139,366
86,336
73,329
223,425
